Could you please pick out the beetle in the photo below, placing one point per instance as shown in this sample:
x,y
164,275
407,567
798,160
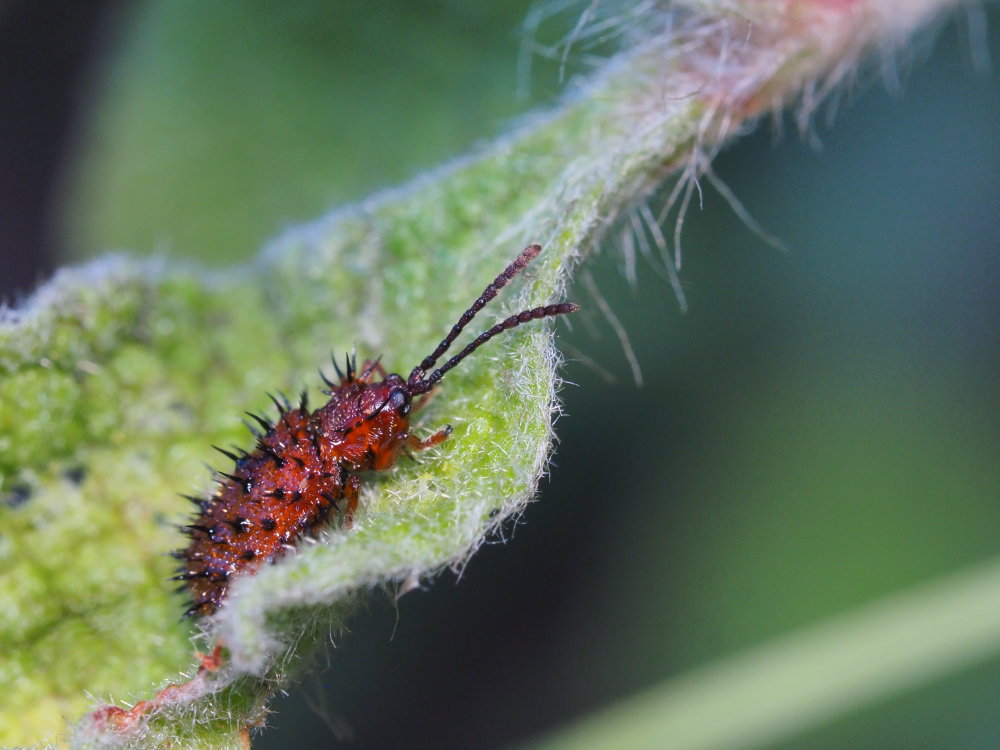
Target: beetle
x,y
308,463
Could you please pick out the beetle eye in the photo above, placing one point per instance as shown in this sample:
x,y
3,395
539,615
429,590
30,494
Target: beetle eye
x,y
399,402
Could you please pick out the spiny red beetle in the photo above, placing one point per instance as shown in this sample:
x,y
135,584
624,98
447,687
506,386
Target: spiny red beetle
x,y
306,463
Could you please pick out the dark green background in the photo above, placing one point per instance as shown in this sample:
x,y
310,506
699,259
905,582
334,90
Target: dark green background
x,y
820,429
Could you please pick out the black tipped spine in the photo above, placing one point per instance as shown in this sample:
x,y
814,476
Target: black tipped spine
x,y
264,424
253,430
336,368
269,451
277,404
199,502
228,454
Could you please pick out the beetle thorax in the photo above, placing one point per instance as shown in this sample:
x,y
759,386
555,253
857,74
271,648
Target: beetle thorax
x,y
367,423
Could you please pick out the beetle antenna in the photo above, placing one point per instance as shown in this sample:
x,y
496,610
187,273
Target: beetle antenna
x,y
419,384
513,321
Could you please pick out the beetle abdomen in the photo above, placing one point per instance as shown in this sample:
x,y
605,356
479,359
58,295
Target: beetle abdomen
x,y
274,495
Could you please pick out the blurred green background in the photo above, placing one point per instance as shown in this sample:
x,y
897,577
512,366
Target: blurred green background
x,y
820,429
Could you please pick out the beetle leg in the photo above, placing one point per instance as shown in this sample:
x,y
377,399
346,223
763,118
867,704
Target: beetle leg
x,y
351,492
415,443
